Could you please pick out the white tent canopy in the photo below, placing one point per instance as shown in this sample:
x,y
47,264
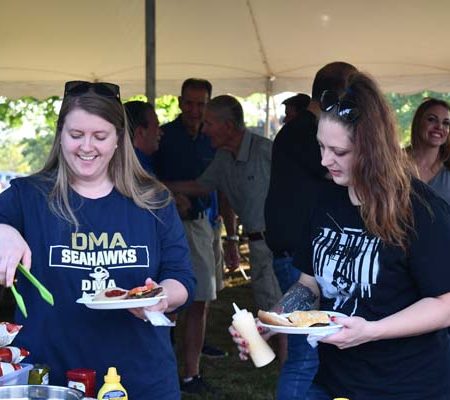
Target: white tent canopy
x,y
240,45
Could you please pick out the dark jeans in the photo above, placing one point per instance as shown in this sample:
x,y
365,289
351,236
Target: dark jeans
x,y
301,365
317,393
285,272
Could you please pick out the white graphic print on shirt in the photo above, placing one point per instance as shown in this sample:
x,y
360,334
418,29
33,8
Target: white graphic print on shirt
x,y
87,251
98,255
346,265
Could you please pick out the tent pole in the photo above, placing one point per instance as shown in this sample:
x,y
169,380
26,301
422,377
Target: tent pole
x,y
150,53
269,82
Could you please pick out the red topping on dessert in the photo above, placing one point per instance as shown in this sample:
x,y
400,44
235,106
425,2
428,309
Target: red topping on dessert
x,y
115,293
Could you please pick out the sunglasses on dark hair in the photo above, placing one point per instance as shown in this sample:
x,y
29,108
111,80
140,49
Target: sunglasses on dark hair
x,y
347,110
77,88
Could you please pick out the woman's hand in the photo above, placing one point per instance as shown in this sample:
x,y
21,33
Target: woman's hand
x,y
13,249
355,331
161,306
242,344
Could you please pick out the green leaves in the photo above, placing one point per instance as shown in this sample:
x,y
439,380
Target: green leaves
x,y
26,154
167,108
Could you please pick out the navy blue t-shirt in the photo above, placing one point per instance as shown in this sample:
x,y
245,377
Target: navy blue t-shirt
x,y
145,161
117,244
182,157
358,275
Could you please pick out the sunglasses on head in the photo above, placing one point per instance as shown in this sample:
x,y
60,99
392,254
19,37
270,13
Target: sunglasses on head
x,y
77,88
347,110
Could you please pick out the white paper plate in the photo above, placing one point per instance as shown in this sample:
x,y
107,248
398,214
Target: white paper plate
x,y
119,304
318,330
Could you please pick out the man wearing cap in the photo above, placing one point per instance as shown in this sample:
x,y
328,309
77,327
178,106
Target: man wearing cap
x,y
295,105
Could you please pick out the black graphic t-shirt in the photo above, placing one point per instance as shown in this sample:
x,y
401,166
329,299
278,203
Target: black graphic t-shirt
x,y
117,244
359,275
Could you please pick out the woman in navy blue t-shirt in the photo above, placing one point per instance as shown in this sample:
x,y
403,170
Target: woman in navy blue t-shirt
x,y
94,219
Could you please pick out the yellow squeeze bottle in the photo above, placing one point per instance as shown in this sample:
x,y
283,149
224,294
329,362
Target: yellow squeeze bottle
x,y
112,389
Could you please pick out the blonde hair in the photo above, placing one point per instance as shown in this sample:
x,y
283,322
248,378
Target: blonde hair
x,y
124,169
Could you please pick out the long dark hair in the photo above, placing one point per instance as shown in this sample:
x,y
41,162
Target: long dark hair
x,y
381,169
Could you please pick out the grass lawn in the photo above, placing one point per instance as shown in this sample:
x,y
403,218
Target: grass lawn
x,y
235,379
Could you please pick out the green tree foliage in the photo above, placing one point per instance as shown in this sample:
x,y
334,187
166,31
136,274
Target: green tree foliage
x,y
28,154
11,157
167,108
36,149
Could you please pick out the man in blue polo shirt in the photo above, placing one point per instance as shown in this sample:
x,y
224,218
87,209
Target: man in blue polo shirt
x,y
184,154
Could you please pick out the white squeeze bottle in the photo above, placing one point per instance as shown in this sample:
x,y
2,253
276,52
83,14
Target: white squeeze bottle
x,y
260,352
112,389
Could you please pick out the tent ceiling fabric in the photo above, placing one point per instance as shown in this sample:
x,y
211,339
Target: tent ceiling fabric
x,y
237,44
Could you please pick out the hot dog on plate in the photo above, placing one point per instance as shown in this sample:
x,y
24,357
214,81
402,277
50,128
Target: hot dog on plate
x,y
299,319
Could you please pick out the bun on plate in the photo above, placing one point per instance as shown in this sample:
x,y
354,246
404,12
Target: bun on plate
x,y
271,318
142,292
299,319
305,319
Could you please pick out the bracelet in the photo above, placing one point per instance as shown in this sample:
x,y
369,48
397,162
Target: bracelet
x,y
232,238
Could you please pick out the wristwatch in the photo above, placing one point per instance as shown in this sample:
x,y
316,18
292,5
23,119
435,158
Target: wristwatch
x,y
232,238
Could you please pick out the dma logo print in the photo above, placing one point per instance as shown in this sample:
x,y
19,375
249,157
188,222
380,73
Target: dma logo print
x,y
346,265
87,251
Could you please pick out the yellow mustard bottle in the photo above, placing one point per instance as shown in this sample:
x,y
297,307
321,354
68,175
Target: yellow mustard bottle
x,y
112,389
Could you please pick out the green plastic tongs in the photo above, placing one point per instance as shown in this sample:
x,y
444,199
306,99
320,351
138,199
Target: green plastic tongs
x,y
43,291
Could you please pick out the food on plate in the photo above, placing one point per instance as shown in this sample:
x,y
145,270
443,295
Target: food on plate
x,y
309,318
272,318
140,292
299,319
12,354
8,332
111,294
146,291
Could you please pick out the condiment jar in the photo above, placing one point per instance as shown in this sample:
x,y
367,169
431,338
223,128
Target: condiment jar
x,y
82,379
39,375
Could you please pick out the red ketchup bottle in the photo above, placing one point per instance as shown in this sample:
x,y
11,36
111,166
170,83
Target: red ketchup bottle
x,y
82,379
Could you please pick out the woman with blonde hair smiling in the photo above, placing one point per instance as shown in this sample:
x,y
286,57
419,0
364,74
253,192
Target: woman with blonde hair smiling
x,y
94,219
